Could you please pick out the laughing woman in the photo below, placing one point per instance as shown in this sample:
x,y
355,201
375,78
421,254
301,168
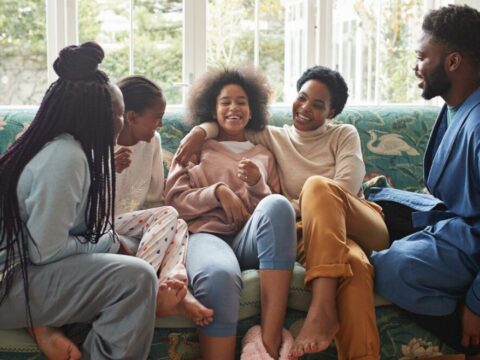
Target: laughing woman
x,y
236,219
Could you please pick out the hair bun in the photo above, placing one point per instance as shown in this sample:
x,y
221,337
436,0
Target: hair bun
x,y
79,62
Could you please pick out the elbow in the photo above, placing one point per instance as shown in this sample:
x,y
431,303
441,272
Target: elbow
x,y
36,258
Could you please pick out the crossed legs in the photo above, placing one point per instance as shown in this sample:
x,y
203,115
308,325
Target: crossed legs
x,y
336,231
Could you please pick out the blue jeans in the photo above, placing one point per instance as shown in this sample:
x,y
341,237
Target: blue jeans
x,y
214,264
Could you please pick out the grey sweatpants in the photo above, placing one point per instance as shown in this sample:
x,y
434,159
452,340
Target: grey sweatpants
x,y
114,293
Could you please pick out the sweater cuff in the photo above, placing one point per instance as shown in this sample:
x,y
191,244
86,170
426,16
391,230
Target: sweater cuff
x,y
259,188
210,128
214,189
473,297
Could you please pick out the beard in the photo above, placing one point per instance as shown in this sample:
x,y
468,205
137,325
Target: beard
x,y
436,83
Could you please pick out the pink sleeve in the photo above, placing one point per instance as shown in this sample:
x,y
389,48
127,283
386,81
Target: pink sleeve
x,y
268,184
190,202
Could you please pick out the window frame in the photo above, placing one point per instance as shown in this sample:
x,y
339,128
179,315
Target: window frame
x,y
316,28
62,30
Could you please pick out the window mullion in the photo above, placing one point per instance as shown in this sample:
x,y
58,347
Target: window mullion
x,y
194,40
309,51
62,29
256,42
324,38
377,52
131,52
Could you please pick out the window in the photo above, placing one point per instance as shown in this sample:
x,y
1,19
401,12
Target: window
x,y
23,51
374,44
248,32
371,42
142,37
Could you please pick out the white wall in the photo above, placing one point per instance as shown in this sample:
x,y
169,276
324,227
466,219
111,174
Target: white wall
x,y
473,3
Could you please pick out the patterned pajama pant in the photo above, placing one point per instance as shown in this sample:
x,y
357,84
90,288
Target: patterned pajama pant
x,y
157,236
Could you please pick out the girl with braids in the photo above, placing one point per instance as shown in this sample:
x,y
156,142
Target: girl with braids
x,y
56,223
154,234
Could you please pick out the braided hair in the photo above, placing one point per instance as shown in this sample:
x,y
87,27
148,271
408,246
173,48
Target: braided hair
x,y
139,93
78,103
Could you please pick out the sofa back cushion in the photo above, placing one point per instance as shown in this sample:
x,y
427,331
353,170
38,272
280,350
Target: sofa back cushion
x,y
393,137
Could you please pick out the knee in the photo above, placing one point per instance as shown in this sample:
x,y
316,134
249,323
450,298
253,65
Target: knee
x,y
317,185
218,285
393,267
181,224
277,208
169,211
137,274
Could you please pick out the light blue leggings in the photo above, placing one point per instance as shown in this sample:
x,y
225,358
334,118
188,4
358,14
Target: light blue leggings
x,y
267,241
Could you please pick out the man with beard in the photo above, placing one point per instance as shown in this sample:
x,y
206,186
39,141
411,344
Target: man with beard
x,y
432,268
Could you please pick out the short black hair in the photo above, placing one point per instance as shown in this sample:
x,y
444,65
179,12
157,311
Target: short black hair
x,y
202,99
456,26
333,80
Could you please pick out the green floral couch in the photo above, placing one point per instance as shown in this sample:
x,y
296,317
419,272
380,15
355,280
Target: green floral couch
x,y
393,141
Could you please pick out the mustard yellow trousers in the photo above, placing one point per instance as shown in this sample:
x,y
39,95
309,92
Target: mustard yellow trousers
x,y
336,231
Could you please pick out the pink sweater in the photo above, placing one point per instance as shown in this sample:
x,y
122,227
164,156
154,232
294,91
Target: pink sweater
x,y
191,189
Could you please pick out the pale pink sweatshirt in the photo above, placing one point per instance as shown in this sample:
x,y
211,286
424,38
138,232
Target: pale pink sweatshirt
x,y
191,189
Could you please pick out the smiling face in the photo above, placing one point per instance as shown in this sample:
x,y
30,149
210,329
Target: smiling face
x,y
232,113
312,106
430,68
144,124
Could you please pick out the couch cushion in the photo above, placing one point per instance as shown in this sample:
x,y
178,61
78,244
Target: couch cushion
x,y
13,123
16,341
393,139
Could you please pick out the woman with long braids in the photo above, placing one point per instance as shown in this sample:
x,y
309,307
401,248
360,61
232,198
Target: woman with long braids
x,y
57,236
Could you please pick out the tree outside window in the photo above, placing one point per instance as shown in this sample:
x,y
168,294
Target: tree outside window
x,y
23,51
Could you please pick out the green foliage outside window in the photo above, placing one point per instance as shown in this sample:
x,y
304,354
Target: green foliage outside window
x,y
23,54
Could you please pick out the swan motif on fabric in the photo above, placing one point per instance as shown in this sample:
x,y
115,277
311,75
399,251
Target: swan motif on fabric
x,y
389,144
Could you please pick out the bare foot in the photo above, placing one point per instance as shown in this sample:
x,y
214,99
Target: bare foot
x,y
54,344
191,308
170,294
317,333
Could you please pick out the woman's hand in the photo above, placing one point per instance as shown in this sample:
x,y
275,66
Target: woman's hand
x,y
248,172
233,206
122,159
190,147
470,327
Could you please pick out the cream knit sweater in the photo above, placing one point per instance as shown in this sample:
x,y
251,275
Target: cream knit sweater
x,y
333,151
141,185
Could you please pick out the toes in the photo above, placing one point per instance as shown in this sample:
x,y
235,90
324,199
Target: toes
x,y
174,284
181,293
311,347
297,350
163,287
208,313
